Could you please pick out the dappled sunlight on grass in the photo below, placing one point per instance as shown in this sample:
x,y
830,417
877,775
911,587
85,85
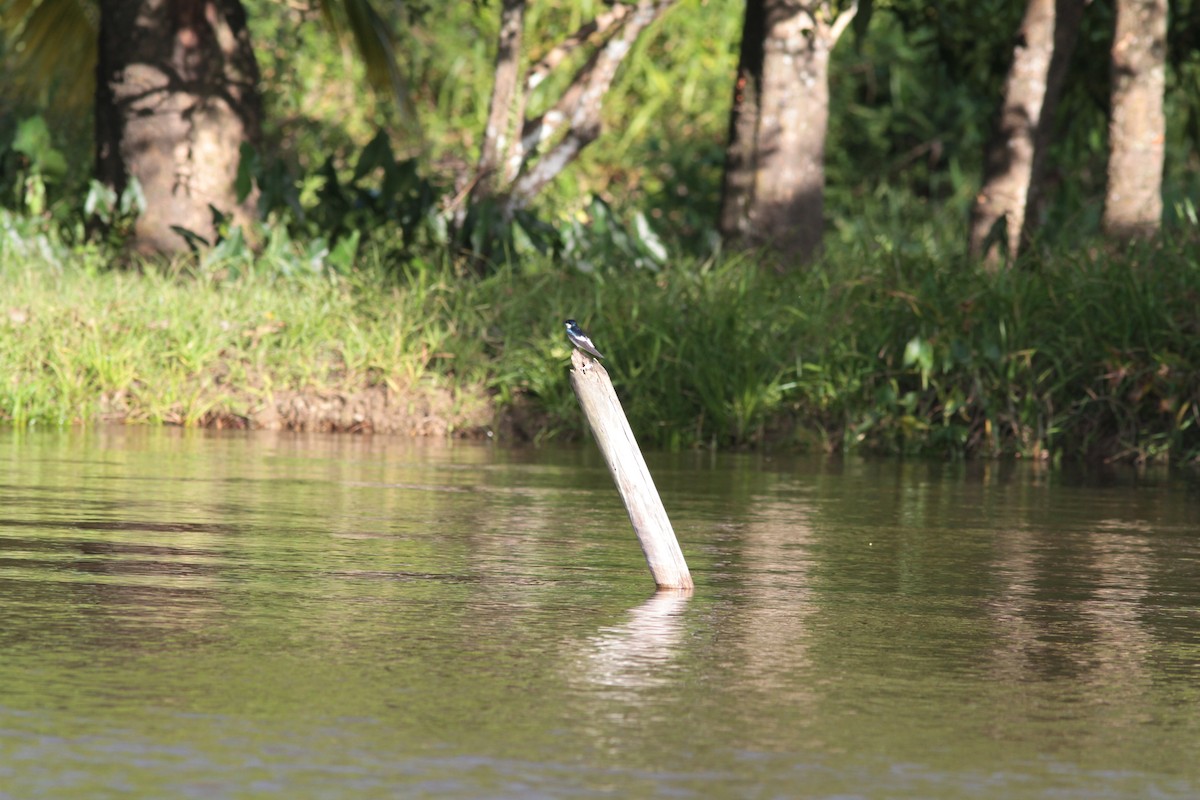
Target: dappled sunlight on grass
x,y
80,346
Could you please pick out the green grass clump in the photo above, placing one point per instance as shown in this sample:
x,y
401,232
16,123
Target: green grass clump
x,y
1082,354
78,346
1086,354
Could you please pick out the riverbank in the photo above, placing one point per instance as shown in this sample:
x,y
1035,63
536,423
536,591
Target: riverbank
x,y
1083,355
318,352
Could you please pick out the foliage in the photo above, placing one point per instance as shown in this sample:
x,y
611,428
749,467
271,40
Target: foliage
x,y
313,90
48,55
384,199
892,343
913,97
664,119
1083,354
35,170
1086,353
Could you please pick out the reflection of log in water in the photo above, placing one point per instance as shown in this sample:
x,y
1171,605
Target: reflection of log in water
x,y
637,654
615,439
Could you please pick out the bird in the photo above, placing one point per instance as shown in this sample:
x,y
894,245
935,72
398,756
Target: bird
x,y
580,339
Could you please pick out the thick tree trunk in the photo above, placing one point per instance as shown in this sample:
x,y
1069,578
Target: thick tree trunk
x,y
774,186
1013,163
176,97
1137,127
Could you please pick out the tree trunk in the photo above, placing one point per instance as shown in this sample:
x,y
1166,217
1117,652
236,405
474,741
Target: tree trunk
x,y
580,104
504,109
512,164
176,97
737,189
774,185
1013,162
1137,127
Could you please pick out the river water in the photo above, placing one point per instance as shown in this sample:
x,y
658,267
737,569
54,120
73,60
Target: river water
x,y
190,614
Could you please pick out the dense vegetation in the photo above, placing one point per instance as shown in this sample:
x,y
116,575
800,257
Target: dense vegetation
x,y
894,341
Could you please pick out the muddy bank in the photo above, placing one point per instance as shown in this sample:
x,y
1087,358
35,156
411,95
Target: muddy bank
x,y
425,411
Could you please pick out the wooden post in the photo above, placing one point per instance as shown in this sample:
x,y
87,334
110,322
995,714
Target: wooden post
x,y
615,438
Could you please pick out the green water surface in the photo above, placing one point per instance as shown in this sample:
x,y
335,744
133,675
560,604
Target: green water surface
x,y
190,614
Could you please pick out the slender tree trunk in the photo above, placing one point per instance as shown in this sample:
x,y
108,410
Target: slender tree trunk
x,y
581,104
1137,127
774,186
176,97
512,162
1013,163
504,109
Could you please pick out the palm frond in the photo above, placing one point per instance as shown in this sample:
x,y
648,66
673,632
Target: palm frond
x,y
50,47
373,38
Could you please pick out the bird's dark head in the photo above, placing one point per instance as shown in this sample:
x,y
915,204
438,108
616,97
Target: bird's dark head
x,y
570,323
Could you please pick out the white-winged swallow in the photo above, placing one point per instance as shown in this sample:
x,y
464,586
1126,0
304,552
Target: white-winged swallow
x,y
581,340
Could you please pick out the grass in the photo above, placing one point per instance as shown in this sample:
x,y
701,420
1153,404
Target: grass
x,y
78,346
899,347
1077,355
